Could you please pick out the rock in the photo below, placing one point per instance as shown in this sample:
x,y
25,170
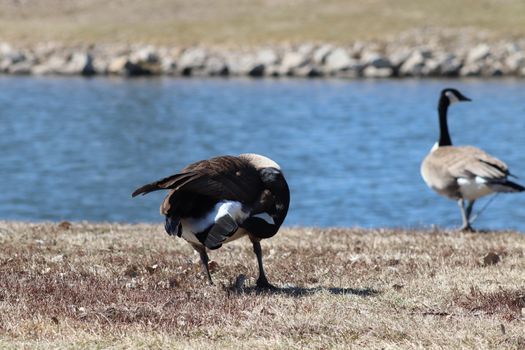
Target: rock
x,y
471,70
306,49
79,63
272,71
431,68
353,71
216,66
338,59
20,68
319,55
52,66
398,57
515,62
493,68
241,64
375,59
292,60
147,54
257,70
138,69
191,59
267,57
478,53
308,71
375,72
168,65
5,49
414,65
449,65
117,65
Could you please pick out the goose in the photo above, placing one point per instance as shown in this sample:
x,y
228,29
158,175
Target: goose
x,y
463,173
215,201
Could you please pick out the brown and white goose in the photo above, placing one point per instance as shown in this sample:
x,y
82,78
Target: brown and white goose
x,y
215,201
463,173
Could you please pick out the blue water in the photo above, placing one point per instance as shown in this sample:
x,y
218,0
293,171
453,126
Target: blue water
x,y
75,149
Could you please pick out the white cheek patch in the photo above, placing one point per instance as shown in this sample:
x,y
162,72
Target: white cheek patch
x,y
451,97
266,217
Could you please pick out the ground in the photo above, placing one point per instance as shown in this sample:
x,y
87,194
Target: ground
x,y
248,22
85,285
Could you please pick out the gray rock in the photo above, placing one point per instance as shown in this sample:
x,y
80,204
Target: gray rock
x,y
478,53
292,60
375,59
319,55
117,65
257,70
339,59
216,66
5,49
493,68
471,70
449,65
308,71
399,56
53,65
267,57
20,68
80,63
100,64
515,62
192,58
414,64
147,54
378,72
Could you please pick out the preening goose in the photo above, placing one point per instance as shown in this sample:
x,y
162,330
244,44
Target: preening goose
x,y
215,201
463,173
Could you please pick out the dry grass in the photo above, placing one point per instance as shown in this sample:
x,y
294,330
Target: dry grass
x,y
248,21
131,286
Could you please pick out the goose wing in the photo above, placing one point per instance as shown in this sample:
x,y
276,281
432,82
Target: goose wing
x,y
219,178
470,162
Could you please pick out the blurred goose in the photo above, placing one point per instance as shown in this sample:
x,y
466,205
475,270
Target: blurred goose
x,y
463,173
215,201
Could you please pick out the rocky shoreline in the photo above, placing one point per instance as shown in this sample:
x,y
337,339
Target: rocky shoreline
x,y
395,59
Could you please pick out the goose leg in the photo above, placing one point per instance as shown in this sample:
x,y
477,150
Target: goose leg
x,y
204,260
465,216
262,281
469,209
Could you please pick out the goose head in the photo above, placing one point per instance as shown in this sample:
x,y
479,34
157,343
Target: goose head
x,y
450,96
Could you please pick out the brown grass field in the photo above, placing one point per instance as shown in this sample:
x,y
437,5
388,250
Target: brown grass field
x,y
249,22
93,286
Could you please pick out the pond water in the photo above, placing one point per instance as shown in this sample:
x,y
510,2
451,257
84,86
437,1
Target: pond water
x,y
75,149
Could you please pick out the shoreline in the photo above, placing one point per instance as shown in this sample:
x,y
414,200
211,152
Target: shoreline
x,y
403,57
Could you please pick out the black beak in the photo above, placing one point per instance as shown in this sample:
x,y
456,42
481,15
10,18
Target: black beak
x,y
464,98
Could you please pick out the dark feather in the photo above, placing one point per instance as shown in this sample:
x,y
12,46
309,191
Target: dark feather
x,y
222,229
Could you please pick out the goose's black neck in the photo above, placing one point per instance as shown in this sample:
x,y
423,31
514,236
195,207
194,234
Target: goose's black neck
x,y
444,136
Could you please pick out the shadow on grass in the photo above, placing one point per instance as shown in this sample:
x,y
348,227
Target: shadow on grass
x,y
301,292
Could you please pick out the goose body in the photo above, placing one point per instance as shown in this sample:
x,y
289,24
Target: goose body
x,y
215,201
463,173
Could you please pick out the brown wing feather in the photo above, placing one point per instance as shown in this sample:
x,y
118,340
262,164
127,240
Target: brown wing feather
x,y
470,162
224,177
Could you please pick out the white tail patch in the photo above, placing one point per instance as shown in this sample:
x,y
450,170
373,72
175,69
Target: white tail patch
x,y
190,226
473,188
